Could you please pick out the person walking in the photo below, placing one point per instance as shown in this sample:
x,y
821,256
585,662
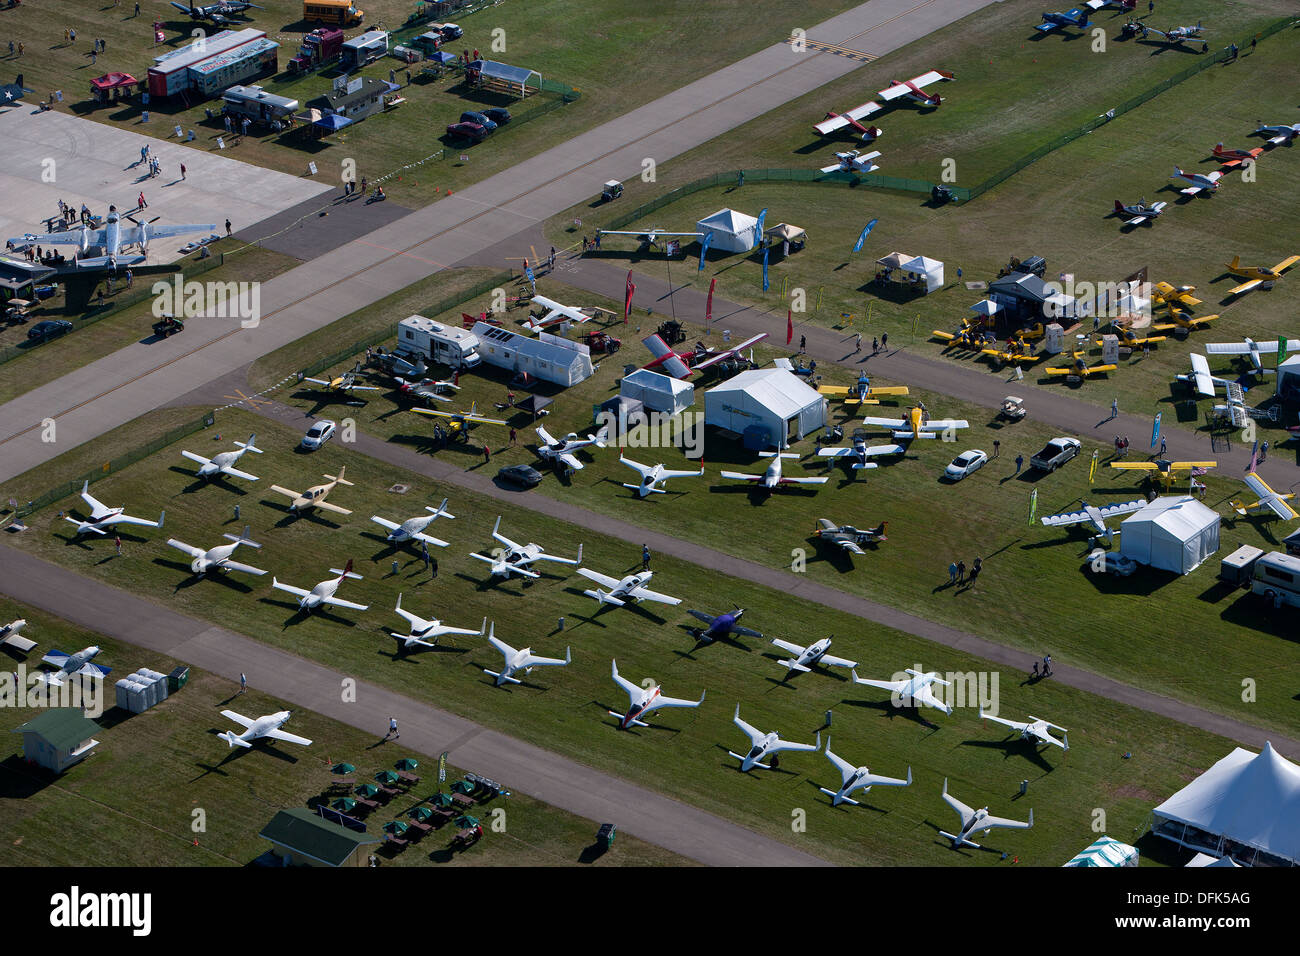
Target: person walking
x,y
997,448
140,201
884,341
1263,452
182,170
976,569
550,261
875,346
243,683
961,571
803,344
117,542
1020,463
858,346
1114,408
1047,666
392,729
487,454
645,557
1163,446
1034,674
952,573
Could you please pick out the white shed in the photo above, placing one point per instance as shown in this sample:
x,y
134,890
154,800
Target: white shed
x,y
658,393
732,231
547,357
773,398
1173,534
929,271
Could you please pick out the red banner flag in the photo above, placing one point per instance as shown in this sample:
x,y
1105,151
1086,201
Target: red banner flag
x,y
627,302
789,326
708,306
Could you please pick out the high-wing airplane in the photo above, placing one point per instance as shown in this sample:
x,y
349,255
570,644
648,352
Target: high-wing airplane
x,y
653,475
103,517
519,660
1257,275
1201,378
427,389
805,657
1034,729
218,558
557,312
556,450
1076,17
1090,514
323,593
853,162
913,89
621,590
849,538
344,384
112,238
263,727
765,745
10,636
72,665
314,497
721,626
224,463
1277,134
1252,349
1079,366
643,700
422,629
1269,500
1166,471
1178,34
1197,182
861,393
857,778
915,688
515,558
918,424
860,453
772,477
412,529
972,820
651,237
1231,158
1139,212
675,363
460,422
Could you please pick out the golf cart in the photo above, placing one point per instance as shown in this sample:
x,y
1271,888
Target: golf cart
x,y
168,325
18,310
1013,409
613,189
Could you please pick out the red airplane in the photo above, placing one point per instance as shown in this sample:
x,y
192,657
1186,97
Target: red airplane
x,y
911,89
1235,157
686,364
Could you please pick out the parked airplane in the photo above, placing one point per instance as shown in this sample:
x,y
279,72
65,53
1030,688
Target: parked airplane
x,y
268,727
1172,296
972,820
401,366
1197,182
427,389
860,452
218,13
765,745
721,626
1079,366
1257,275
651,237
1277,134
314,497
412,529
1253,350
772,477
853,162
72,665
1090,514
224,463
557,450
103,517
519,660
420,629
1269,500
460,422
1141,212
848,537
1166,471
861,393
805,657
9,636
918,424
857,778
11,93
642,700
1128,337
1059,21
686,364
1235,157
515,558
915,688
345,383
1201,378
112,238
1182,319
1178,34
621,590
1034,729
323,593
218,558
913,89
557,313
653,475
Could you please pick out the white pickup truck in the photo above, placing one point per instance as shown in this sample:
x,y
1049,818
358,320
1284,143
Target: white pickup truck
x,y
1055,454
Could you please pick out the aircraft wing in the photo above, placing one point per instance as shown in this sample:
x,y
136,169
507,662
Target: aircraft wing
x,y
1230,348
1286,263
166,232
963,811
740,476
127,519
385,523
893,686
1269,498
794,649
680,474
199,458
852,547
430,539
632,690
339,602
237,566
787,480
645,594
920,82
833,123
943,424
68,238
835,452
287,737
891,423
240,719
571,460
754,734
1245,286
1201,375
506,650
666,357
280,586
97,507
843,766
700,615
332,507
640,469
288,493
830,661
718,357
991,822
662,701
602,579
544,435
781,745
926,696
532,660
236,473
189,549
1012,724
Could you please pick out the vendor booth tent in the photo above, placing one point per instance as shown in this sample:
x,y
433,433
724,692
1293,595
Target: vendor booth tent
x,y
731,231
895,260
930,271
1106,852
658,393
985,307
1172,534
771,398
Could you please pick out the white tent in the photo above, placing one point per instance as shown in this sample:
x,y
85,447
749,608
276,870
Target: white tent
x,y
1106,852
1205,859
1173,534
1288,374
1245,804
772,398
732,231
986,308
930,271
658,393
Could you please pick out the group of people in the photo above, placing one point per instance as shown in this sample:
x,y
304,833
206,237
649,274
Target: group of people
x,y
959,574
1121,446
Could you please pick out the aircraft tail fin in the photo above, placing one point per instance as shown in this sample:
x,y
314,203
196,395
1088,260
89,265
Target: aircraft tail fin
x,y
501,678
233,741
250,445
242,538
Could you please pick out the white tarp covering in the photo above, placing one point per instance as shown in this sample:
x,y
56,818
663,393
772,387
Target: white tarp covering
x,y
1107,852
930,270
732,231
1173,534
771,397
658,393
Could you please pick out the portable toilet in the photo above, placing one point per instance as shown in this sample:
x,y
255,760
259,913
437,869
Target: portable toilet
x,y
1110,349
1054,339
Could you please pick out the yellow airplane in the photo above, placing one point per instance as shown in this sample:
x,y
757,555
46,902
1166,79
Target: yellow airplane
x,y
1162,470
314,497
347,382
1162,293
1181,319
1130,338
1268,499
966,337
1257,274
460,422
1080,366
1006,357
864,393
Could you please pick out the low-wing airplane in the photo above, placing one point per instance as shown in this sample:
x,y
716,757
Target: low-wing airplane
x,y
849,538
967,337
861,393
1076,17
519,660
654,475
1197,182
1173,296
112,238
557,312
1231,158
323,593
344,384
685,364
918,424
422,629
643,700
913,89
1016,351
218,13
1257,275
1201,378
972,820
1277,134
224,463
765,745
515,558
10,636
1269,500
805,657
857,778
1139,212
1034,729
861,453
427,389
772,477
1178,34
915,688
401,366
1181,319
621,590
556,450
1166,471
1128,337
412,529
853,162
460,422
218,558
1252,349
651,237
314,497
1090,514
11,93
72,665
1079,366
103,517
721,626
263,727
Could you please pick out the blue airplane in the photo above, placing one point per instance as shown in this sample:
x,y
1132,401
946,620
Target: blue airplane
x,y
13,92
722,627
1071,18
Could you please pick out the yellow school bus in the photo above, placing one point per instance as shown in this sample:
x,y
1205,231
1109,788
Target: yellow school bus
x,y
343,13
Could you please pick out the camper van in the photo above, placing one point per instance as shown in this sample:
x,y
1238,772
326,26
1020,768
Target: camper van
x,y
341,13
1277,578
257,104
435,342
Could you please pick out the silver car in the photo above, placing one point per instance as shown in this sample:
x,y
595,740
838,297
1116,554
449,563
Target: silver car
x,y
320,432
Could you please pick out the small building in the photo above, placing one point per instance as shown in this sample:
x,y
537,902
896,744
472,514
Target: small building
x,y
657,392
362,97
1106,852
1025,297
299,837
548,357
502,78
776,401
730,231
1291,544
19,278
58,738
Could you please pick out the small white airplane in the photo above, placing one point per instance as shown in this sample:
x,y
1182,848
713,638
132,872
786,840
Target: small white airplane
x,y
422,628
224,463
112,238
772,477
917,424
805,657
103,517
1179,34
1268,499
853,162
218,558
519,660
558,312
653,476
562,450
651,236
323,593
72,665
268,727
857,778
1279,134
765,745
412,529
641,701
862,452
1034,729
9,634
916,688
1197,182
972,820
1140,212
913,89
621,590
1251,349
1090,514
515,558
1200,376
314,497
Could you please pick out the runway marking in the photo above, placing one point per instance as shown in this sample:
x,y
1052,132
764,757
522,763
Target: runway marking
x,y
239,398
823,47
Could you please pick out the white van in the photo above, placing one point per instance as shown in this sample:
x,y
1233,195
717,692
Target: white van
x,y
1277,578
435,342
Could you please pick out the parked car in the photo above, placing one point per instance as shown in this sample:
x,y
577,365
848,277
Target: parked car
x,y
1055,454
523,476
1111,562
497,114
968,462
320,432
471,116
49,329
471,131
449,31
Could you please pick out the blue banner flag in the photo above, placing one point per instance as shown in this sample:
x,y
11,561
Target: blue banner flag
x,y
704,248
857,246
765,251
1155,431
758,228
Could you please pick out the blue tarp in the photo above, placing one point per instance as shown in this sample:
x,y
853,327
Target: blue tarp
x,y
332,122
443,57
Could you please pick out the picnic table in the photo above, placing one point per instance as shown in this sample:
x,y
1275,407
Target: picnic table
x,y
461,800
408,778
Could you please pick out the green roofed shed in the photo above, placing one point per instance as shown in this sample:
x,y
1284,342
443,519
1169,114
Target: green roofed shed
x,y
58,738
301,838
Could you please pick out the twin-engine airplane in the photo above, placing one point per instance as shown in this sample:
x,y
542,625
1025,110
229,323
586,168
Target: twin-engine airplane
x,y
113,238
